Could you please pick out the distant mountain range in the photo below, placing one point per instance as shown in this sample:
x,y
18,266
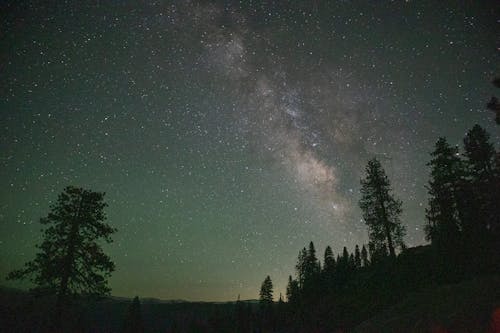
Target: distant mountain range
x,y
146,300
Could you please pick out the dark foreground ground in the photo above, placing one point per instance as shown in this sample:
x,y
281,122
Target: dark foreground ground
x,y
468,306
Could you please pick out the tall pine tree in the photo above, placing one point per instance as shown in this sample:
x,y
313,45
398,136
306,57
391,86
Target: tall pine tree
x,y
301,266
329,260
266,292
443,214
357,257
312,267
292,291
381,211
70,260
482,175
364,257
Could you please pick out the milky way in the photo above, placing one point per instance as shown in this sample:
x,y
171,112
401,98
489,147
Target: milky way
x,y
229,135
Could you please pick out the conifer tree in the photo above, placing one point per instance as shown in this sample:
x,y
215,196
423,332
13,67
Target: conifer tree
x,y
357,257
480,153
381,211
70,260
352,262
312,268
266,302
443,215
301,267
345,258
266,292
364,257
328,272
292,290
329,260
342,268
480,162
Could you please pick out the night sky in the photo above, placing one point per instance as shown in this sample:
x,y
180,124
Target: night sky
x,y
228,136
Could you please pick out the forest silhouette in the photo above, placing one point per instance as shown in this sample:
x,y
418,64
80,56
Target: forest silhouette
x,y
334,293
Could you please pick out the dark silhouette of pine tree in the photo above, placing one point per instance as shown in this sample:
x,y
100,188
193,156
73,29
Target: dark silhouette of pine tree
x,y
443,215
292,291
364,257
311,269
342,269
293,296
301,267
381,211
357,257
328,260
352,262
482,175
480,161
71,261
267,318
328,273
480,153
345,257
266,292
133,319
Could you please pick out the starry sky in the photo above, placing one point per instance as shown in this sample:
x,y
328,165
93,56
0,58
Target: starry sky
x,y
227,135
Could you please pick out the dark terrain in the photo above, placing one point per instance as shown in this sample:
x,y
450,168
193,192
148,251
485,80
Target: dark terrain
x,y
467,306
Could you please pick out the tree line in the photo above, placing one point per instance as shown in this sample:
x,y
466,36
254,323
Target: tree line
x,y
462,225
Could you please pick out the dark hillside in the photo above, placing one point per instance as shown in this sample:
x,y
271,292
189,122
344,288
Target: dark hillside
x,y
467,306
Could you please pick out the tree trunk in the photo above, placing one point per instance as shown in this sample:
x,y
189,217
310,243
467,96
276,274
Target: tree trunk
x,y
387,228
62,294
389,239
